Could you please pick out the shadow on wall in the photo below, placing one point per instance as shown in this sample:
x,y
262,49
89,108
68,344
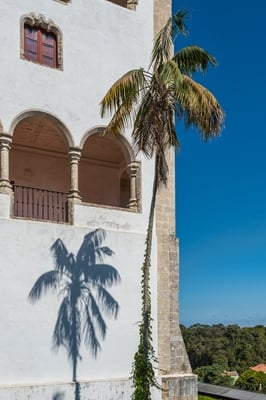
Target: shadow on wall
x,y
61,395
81,282
58,396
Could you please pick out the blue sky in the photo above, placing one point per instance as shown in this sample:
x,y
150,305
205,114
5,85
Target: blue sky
x,y
221,195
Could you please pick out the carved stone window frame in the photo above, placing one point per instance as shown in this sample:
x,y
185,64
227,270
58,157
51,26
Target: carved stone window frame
x,y
65,2
130,4
48,25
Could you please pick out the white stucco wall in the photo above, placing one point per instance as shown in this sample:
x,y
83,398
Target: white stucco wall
x,y
103,390
25,345
101,41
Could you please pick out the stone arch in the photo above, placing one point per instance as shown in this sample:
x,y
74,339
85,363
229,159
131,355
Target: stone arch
x,y
124,144
39,166
104,170
42,114
48,25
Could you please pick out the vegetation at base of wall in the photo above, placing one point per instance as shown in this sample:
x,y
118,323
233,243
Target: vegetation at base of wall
x,y
201,397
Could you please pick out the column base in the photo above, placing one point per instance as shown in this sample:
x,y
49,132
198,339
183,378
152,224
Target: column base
x,y
133,204
5,187
74,196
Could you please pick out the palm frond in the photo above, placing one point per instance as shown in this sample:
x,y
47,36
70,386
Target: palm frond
x,y
96,237
90,338
103,274
86,253
96,314
169,73
178,23
88,250
163,45
61,256
199,108
108,304
146,121
124,92
156,114
62,330
191,59
47,281
103,251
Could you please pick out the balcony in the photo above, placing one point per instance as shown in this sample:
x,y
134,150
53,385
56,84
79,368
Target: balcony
x,y
40,204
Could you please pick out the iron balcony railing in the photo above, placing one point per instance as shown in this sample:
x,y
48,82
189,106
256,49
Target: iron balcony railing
x,y
40,204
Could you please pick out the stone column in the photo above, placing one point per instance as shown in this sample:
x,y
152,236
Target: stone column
x,y
132,170
74,155
176,375
5,141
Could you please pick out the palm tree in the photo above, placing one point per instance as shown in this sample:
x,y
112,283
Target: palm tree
x,y
151,100
82,283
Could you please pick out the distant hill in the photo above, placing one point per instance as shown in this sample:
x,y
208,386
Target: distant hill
x,y
227,347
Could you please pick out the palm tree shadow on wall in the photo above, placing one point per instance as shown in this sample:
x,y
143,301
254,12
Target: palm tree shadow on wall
x,y
58,396
81,282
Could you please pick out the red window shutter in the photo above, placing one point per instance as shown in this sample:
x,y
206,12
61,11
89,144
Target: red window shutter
x,y
31,43
40,46
48,49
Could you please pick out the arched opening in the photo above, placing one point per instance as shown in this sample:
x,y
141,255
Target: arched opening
x,y
39,169
103,175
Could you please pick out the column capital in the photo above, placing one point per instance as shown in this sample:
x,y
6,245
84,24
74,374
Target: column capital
x,y
74,154
132,168
5,140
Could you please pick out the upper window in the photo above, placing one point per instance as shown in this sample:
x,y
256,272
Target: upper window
x,y
40,46
41,41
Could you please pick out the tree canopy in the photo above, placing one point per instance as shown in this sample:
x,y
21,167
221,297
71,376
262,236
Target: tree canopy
x,y
230,347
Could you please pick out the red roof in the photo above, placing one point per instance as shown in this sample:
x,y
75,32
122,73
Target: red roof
x,y
259,368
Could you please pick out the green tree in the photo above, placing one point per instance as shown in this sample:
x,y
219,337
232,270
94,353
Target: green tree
x,y
248,380
151,99
213,374
82,283
252,381
231,347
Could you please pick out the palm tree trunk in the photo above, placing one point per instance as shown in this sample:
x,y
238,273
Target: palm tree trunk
x,y
143,372
75,353
74,369
77,391
146,311
74,349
